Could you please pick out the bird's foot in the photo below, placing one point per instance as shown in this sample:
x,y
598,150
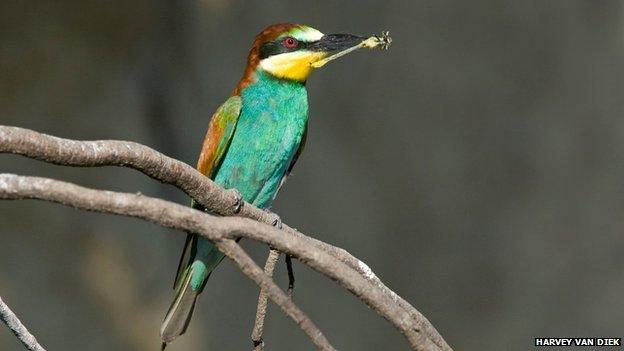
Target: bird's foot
x,y
238,200
276,221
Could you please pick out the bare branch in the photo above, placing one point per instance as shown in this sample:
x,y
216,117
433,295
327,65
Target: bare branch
x,y
266,284
258,329
357,277
10,319
165,169
164,213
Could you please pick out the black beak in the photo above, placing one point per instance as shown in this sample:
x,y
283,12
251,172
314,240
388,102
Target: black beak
x,y
333,43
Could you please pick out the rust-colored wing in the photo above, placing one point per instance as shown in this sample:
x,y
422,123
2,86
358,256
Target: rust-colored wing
x,y
217,140
219,135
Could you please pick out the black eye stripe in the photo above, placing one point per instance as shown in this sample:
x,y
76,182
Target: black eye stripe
x,y
276,47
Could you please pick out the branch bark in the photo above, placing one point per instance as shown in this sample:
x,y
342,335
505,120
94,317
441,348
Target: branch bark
x,y
258,328
166,214
266,284
354,275
16,326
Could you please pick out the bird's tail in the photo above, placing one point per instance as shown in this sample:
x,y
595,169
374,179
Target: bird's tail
x,y
199,258
179,314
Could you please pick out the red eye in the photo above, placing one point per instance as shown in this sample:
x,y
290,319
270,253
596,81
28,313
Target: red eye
x,y
290,42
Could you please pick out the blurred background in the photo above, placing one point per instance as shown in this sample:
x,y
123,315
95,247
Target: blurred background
x,y
476,167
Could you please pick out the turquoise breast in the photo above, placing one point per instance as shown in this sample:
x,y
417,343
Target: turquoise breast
x,y
273,118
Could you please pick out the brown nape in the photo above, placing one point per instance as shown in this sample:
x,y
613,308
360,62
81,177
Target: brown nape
x,y
268,34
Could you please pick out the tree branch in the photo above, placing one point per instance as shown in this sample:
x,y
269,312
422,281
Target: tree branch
x,y
167,214
266,284
355,275
10,319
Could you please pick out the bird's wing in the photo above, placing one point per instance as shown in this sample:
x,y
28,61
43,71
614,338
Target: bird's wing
x,y
217,140
219,135
304,138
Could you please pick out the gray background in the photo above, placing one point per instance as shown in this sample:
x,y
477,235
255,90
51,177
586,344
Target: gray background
x,y
476,166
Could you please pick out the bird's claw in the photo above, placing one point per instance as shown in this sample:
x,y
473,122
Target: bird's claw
x,y
238,200
276,221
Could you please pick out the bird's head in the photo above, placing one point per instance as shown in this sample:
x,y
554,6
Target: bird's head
x,y
289,51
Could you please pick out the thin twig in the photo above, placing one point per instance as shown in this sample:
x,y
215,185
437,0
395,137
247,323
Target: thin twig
x,y
277,295
10,319
258,329
158,166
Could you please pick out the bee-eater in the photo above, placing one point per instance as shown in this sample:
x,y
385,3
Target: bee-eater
x,y
253,141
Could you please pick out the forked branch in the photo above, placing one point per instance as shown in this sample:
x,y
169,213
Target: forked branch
x,y
221,230
329,260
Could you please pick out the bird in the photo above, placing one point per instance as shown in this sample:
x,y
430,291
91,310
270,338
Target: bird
x,y
253,141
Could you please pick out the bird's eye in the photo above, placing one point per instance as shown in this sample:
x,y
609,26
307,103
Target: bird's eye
x,y
289,42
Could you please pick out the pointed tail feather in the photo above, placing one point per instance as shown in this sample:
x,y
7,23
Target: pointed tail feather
x,y
200,257
179,314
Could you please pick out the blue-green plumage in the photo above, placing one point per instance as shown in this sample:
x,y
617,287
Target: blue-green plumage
x,y
267,136
270,127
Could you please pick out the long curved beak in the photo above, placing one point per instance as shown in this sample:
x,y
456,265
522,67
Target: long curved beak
x,y
334,43
334,46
